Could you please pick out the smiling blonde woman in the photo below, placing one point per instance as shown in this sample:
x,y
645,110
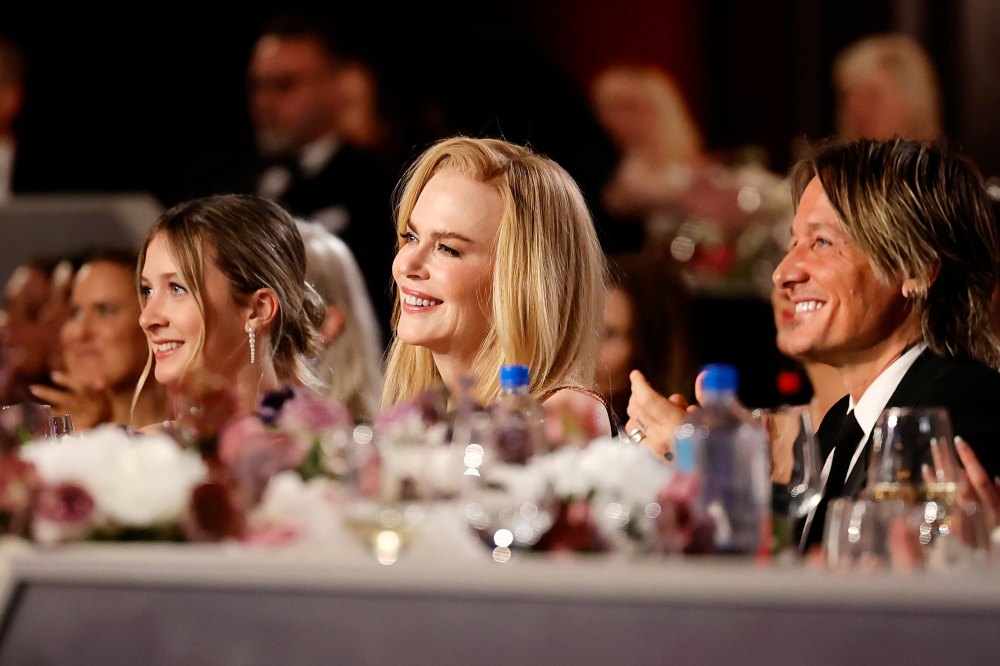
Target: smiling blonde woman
x,y
498,263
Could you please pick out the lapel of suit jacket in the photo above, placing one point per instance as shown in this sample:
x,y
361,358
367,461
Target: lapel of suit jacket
x,y
911,392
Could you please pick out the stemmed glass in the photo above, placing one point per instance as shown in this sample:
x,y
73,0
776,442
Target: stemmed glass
x,y
505,503
914,461
913,456
62,425
26,421
796,462
397,480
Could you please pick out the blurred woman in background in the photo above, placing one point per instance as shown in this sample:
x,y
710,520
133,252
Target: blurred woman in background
x,y
646,328
350,362
104,349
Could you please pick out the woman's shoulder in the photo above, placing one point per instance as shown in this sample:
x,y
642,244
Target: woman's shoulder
x,y
158,428
586,404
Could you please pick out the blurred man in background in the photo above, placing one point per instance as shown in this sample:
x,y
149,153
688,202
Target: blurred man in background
x,y
309,167
11,101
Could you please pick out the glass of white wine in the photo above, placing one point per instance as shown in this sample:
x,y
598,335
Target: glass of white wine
x,y
399,487
914,460
913,456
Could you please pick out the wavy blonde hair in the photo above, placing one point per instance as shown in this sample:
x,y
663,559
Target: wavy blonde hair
x,y
548,273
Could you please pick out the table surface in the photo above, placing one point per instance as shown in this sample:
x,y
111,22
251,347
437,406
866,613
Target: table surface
x,y
230,604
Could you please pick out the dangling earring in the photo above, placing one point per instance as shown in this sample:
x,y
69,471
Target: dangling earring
x,y
253,344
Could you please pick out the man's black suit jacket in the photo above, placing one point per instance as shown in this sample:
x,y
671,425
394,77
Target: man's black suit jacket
x,y
356,184
969,390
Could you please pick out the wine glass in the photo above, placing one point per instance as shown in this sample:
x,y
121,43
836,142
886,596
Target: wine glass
x,y
914,460
26,421
856,534
507,505
796,467
399,477
913,456
62,425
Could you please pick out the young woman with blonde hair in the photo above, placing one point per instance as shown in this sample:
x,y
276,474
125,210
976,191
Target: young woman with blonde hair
x,y
498,263
223,292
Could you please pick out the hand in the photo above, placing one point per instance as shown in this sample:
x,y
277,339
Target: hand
x,y
655,416
980,487
88,402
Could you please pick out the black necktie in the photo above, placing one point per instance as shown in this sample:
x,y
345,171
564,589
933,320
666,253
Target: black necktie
x,y
848,438
846,443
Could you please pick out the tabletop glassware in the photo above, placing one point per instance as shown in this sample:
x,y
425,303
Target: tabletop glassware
x,y
25,421
795,471
856,537
62,425
913,455
399,481
913,460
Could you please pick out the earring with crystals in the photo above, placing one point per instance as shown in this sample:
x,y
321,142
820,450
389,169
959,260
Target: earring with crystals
x,y
253,343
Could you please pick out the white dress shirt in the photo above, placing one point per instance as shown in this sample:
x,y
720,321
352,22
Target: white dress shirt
x,y
873,402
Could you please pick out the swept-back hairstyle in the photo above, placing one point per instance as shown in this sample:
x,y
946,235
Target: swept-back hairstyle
x,y
548,272
255,244
919,211
350,365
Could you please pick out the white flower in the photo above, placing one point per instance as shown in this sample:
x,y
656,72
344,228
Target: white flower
x,y
310,506
139,481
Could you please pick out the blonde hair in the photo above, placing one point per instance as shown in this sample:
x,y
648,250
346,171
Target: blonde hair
x,y
350,365
919,211
909,66
548,272
256,245
677,137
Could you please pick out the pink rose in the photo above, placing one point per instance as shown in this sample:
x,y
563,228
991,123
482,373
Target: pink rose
x,y
214,513
253,453
62,514
309,411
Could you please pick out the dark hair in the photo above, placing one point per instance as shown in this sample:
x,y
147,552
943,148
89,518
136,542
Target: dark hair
x,y
919,211
295,26
255,244
661,341
11,62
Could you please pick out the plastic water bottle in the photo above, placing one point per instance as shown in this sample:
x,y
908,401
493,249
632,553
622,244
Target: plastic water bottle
x,y
518,417
726,451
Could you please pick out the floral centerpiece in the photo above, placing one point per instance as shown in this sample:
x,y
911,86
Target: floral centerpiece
x,y
299,470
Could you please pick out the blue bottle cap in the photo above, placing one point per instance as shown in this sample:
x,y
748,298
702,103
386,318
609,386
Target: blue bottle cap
x,y
721,377
514,375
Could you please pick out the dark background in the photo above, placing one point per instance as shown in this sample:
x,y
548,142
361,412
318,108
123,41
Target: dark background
x,y
151,95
